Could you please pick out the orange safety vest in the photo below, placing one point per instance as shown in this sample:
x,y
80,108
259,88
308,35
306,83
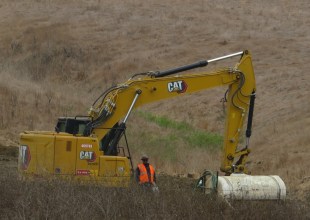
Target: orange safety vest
x,y
144,178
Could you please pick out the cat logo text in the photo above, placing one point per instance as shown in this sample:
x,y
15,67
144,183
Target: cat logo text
x,y
177,86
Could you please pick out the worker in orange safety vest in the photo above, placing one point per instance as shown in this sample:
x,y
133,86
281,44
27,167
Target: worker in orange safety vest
x,y
145,173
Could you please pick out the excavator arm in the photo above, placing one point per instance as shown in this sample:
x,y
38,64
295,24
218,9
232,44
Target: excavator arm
x,y
113,108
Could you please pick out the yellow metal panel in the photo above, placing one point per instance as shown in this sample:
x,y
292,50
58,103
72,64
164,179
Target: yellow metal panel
x,y
65,151
45,154
114,171
87,156
113,166
36,153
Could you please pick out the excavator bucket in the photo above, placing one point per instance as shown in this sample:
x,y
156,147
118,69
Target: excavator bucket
x,y
243,187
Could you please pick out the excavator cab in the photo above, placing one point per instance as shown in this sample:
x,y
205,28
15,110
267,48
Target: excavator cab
x,y
72,125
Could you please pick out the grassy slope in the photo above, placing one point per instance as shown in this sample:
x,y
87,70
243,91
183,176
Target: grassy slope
x,y
57,56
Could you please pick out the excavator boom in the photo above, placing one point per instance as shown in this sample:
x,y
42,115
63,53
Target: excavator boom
x,y
155,86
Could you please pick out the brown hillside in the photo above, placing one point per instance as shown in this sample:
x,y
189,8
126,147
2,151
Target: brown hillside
x,y
56,57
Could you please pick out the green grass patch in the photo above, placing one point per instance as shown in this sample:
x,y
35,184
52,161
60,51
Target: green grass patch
x,y
182,131
163,121
202,139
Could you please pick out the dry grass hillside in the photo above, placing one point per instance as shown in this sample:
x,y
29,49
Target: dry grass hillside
x,y
57,56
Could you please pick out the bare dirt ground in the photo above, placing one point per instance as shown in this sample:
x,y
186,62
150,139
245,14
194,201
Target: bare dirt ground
x,y
57,56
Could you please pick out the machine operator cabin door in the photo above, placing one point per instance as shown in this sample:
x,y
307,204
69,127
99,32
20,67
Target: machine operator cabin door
x,y
65,155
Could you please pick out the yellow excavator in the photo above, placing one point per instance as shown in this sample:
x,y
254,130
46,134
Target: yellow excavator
x,y
87,147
